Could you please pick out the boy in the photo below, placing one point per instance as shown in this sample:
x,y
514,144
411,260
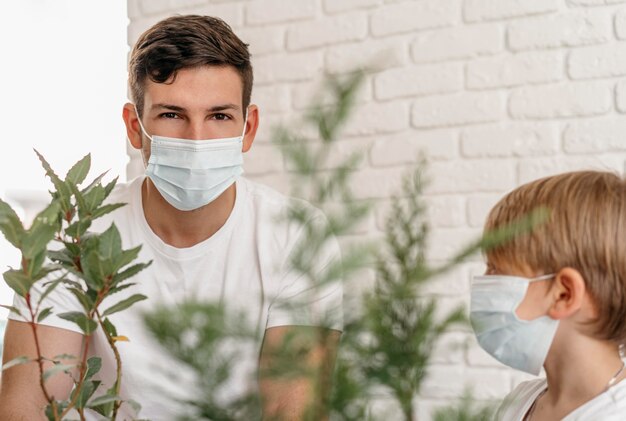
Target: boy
x,y
556,297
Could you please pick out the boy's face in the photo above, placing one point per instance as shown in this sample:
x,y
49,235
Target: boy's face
x,y
198,103
536,301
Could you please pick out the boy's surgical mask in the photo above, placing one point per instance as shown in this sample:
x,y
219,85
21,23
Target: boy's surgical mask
x,y
520,344
190,174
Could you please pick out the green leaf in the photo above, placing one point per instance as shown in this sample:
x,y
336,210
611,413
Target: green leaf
x,y
93,271
103,210
101,400
109,187
62,190
50,287
43,314
82,298
135,405
60,256
10,225
16,361
58,368
110,243
35,264
79,171
123,305
18,281
86,391
12,310
94,198
85,324
109,328
94,364
125,257
94,183
78,228
130,272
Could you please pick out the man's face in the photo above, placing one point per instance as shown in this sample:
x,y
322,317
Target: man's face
x,y
198,104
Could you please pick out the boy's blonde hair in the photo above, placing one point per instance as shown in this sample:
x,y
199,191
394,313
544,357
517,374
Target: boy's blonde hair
x,y
585,230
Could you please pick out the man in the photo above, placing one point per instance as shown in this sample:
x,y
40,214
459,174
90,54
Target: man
x,y
211,235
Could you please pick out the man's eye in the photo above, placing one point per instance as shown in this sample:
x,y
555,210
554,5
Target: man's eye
x,y
220,116
168,115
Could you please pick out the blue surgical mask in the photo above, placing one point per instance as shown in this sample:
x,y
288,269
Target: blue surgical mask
x,y
190,174
520,344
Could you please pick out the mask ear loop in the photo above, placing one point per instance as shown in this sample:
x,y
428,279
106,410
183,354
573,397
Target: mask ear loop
x,y
141,124
245,123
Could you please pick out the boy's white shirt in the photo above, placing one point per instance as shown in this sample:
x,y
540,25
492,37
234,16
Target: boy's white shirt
x,y
608,406
242,265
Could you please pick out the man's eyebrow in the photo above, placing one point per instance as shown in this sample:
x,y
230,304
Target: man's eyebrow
x,y
215,108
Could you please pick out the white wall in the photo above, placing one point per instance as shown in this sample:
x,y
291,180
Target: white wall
x,y
496,92
63,79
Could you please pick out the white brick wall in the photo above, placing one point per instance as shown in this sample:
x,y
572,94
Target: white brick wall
x,y
495,92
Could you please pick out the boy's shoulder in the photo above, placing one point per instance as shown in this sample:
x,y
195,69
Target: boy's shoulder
x,y
516,404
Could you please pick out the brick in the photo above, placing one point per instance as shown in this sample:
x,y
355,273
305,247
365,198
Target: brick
x,y
263,159
152,7
287,67
329,31
457,43
263,40
482,10
449,348
620,97
494,383
598,61
620,24
513,70
272,98
305,93
336,6
268,123
470,176
133,9
441,212
438,384
593,2
445,244
595,136
418,81
479,206
376,118
370,183
532,169
457,109
414,16
562,30
563,100
374,55
497,141
232,14
405,148
272,11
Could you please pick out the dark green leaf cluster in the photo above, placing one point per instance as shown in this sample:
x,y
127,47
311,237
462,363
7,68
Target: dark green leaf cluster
x,y
92,266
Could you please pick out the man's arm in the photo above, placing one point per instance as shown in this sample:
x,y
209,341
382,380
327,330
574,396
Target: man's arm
x,y
21,397
295,372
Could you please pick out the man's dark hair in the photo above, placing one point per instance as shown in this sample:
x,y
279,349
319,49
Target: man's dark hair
x,y
180,42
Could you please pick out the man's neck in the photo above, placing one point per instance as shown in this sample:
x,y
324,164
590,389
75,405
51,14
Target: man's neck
x,y
183,229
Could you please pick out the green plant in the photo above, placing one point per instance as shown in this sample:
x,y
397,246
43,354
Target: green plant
x,y
90,266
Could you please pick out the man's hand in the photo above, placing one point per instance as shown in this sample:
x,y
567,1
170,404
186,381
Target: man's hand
x,y
21,397
295,372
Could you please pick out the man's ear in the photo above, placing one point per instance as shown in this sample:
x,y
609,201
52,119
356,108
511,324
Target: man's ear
x,y
567,293
252,124
131,121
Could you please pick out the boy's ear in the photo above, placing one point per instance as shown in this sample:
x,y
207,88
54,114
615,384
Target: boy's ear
x,y
568,293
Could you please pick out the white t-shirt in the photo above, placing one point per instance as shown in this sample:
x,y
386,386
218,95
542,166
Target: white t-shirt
x,y
243,265
608,406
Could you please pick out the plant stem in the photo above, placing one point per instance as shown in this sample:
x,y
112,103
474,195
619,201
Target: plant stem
x,y
42,383
118,361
